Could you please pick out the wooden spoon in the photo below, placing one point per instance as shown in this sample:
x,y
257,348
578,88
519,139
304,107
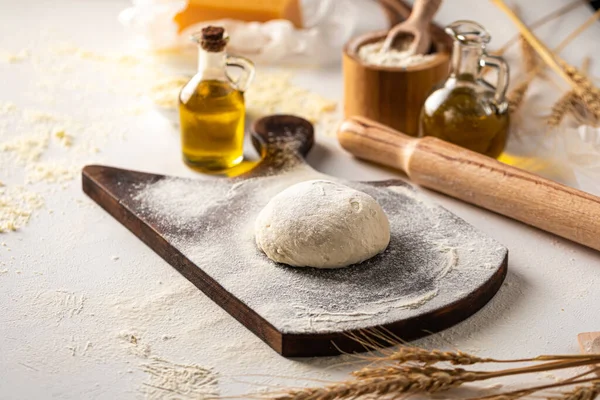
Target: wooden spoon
x,y
477,179
416,26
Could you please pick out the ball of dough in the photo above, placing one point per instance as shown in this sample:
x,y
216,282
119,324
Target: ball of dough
x,y
322,224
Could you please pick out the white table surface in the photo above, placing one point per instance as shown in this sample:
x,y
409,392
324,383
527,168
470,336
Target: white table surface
x,y
79,258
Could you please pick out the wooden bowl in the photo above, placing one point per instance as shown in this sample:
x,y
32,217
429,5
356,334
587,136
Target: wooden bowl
x,y
390,95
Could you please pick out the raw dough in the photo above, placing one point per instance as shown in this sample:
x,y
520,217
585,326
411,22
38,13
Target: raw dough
x,y
322,224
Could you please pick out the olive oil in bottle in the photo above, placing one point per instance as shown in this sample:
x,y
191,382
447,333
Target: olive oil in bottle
x,y
211,106
467,110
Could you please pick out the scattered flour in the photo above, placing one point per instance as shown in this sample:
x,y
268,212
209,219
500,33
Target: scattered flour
x,y
274,93
269,93
17,57
167,380
167,309
50,172
78,349
17,204
43,117
27,148
65,139
62,304
137,347
29,136
8,107
371,54
165,92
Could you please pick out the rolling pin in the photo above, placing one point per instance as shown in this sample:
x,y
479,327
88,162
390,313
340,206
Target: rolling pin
x,y
478,179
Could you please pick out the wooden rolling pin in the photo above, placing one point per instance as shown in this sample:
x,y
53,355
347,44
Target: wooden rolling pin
x,y
477,179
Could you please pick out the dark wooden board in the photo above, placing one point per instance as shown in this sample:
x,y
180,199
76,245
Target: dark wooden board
x,y
374,292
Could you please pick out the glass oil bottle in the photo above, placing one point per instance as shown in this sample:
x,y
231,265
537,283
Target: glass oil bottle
x,y
212,108
466,109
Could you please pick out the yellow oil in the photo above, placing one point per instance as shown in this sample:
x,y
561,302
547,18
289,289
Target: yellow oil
x,y
212,126
459,116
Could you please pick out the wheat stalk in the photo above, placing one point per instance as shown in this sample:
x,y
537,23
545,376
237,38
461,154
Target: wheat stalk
x,y
560,109
537,45
583,104
378,372
588,392
545,19
585,89
374,338
572,103
414,354
427,357
534,67
404,380
396,379
581,85
585,65
578,31
406,354
579,393
408,370
530,57
516,95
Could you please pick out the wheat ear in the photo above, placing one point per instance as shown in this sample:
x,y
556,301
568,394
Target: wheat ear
x,y
408,380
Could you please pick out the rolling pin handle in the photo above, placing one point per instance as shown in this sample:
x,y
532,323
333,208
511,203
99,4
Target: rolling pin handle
x,y
375,142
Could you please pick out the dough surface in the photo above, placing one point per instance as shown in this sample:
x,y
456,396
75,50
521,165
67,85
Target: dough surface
x,y
322,224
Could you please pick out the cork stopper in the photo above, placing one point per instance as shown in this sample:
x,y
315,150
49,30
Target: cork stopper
x,y
213,39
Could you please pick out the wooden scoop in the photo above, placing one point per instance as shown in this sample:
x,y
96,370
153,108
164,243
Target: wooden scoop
x,y
478,180
416,26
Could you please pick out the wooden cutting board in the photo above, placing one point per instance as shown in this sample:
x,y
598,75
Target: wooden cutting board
x,y
437,271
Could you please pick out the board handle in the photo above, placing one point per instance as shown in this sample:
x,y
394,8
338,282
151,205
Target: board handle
x,y
479,180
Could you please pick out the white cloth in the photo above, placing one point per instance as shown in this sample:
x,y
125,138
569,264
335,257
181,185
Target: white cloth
x,y
329,24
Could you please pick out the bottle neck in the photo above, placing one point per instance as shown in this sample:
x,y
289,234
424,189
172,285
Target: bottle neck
x,y
465,60
211,65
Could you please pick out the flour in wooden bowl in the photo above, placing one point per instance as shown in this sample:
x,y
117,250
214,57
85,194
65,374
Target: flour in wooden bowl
x,y
371,54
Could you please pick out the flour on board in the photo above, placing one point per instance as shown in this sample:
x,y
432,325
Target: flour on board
x,y
431,257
